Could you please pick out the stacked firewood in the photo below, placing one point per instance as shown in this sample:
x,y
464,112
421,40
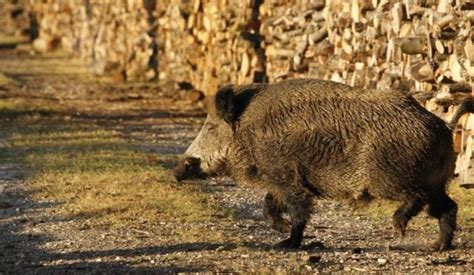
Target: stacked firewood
x,y
464,146
414,45
208,43
410,45
14,18
117,38
417,45
295,32
56,24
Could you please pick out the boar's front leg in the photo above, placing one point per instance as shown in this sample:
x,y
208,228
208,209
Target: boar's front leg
x,y
299,205
273,212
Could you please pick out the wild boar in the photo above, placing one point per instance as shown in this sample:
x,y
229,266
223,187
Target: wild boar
x,y
303,139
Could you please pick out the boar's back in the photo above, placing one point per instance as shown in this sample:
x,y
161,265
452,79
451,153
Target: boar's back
x,y
345,138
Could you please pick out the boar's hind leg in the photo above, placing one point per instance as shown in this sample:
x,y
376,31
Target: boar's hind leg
x,y
299,208
404,213
444,209
273,211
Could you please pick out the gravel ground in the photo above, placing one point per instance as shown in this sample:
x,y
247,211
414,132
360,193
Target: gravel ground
x,y
34,238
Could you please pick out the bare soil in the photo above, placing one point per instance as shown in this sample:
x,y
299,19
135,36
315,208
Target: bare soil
x,y
37,237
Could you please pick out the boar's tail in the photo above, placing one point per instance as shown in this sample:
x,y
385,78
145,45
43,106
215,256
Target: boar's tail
x,y
467,106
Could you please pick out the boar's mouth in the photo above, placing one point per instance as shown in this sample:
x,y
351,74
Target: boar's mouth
x,y
189,168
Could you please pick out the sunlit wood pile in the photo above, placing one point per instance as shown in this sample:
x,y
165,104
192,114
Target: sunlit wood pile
x,y
201,42
14,17
115,37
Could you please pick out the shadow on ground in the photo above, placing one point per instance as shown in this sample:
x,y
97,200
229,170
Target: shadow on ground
x,y
23,252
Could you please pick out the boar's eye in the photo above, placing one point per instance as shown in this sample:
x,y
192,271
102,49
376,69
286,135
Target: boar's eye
x,y
211,127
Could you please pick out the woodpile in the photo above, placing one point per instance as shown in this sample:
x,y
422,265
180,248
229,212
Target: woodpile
x,y
207,43
413,45
203,42
116,37
15,18
295,34
56,24
464,139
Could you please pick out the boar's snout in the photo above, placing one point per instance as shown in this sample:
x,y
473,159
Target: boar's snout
x,y
187,167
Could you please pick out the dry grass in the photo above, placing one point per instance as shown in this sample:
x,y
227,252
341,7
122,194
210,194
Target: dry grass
x,y
6,39
383,210
96,173
4,80
465,200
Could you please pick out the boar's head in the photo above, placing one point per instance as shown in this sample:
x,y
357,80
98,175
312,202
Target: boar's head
x,y
207,155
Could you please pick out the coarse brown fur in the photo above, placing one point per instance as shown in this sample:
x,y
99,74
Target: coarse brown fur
x,y
305,138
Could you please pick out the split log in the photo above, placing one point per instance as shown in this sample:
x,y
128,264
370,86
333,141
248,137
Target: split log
x,y
457,88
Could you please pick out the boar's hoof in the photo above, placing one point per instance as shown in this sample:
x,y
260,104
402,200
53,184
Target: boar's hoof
x,y
289,244
399,226
441,246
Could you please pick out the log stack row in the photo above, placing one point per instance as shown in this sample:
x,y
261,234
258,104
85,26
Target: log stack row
x,y
207,43
293,33
200,42
15,18
416,45
115,37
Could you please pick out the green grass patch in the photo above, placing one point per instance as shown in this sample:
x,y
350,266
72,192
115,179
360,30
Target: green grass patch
x,y
96,173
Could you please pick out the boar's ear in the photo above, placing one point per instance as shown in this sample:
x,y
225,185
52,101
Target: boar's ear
x,y
232,101
225,103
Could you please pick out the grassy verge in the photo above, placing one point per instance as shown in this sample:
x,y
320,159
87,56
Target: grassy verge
x,y
383,210
7,39
465,200
97,173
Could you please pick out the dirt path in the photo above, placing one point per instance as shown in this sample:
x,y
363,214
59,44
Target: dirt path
x,y
37,236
